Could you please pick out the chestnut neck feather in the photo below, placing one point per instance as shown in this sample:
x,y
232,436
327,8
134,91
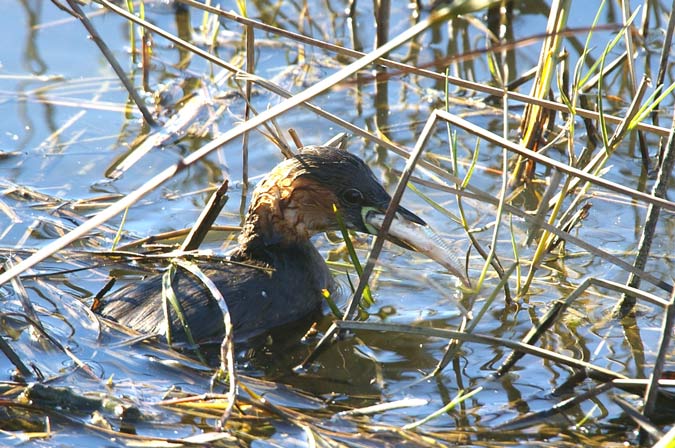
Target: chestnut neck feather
x,y
286,210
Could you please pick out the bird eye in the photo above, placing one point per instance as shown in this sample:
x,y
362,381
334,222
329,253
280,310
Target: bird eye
x,y
352,196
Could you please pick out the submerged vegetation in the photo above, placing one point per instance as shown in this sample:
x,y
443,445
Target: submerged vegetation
x,y
535,136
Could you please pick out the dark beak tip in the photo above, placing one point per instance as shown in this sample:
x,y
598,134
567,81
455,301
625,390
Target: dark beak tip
x,y
410,216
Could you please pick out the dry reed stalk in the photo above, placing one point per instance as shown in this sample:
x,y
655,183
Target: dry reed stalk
x,y
535,119
648,231
79,14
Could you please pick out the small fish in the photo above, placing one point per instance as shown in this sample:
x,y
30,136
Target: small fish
x,y
424,240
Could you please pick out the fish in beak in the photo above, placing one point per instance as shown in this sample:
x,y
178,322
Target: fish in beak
x,y
409,231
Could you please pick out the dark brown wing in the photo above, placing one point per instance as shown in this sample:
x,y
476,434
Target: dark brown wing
x,y
258,300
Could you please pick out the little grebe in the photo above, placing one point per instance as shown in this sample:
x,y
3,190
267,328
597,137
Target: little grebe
x,y
291,204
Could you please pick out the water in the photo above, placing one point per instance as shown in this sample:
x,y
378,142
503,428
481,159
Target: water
x,y
66,124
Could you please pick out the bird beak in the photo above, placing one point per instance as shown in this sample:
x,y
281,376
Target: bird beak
x,y
410,232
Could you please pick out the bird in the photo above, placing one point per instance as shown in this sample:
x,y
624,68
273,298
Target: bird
x,y
275,276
